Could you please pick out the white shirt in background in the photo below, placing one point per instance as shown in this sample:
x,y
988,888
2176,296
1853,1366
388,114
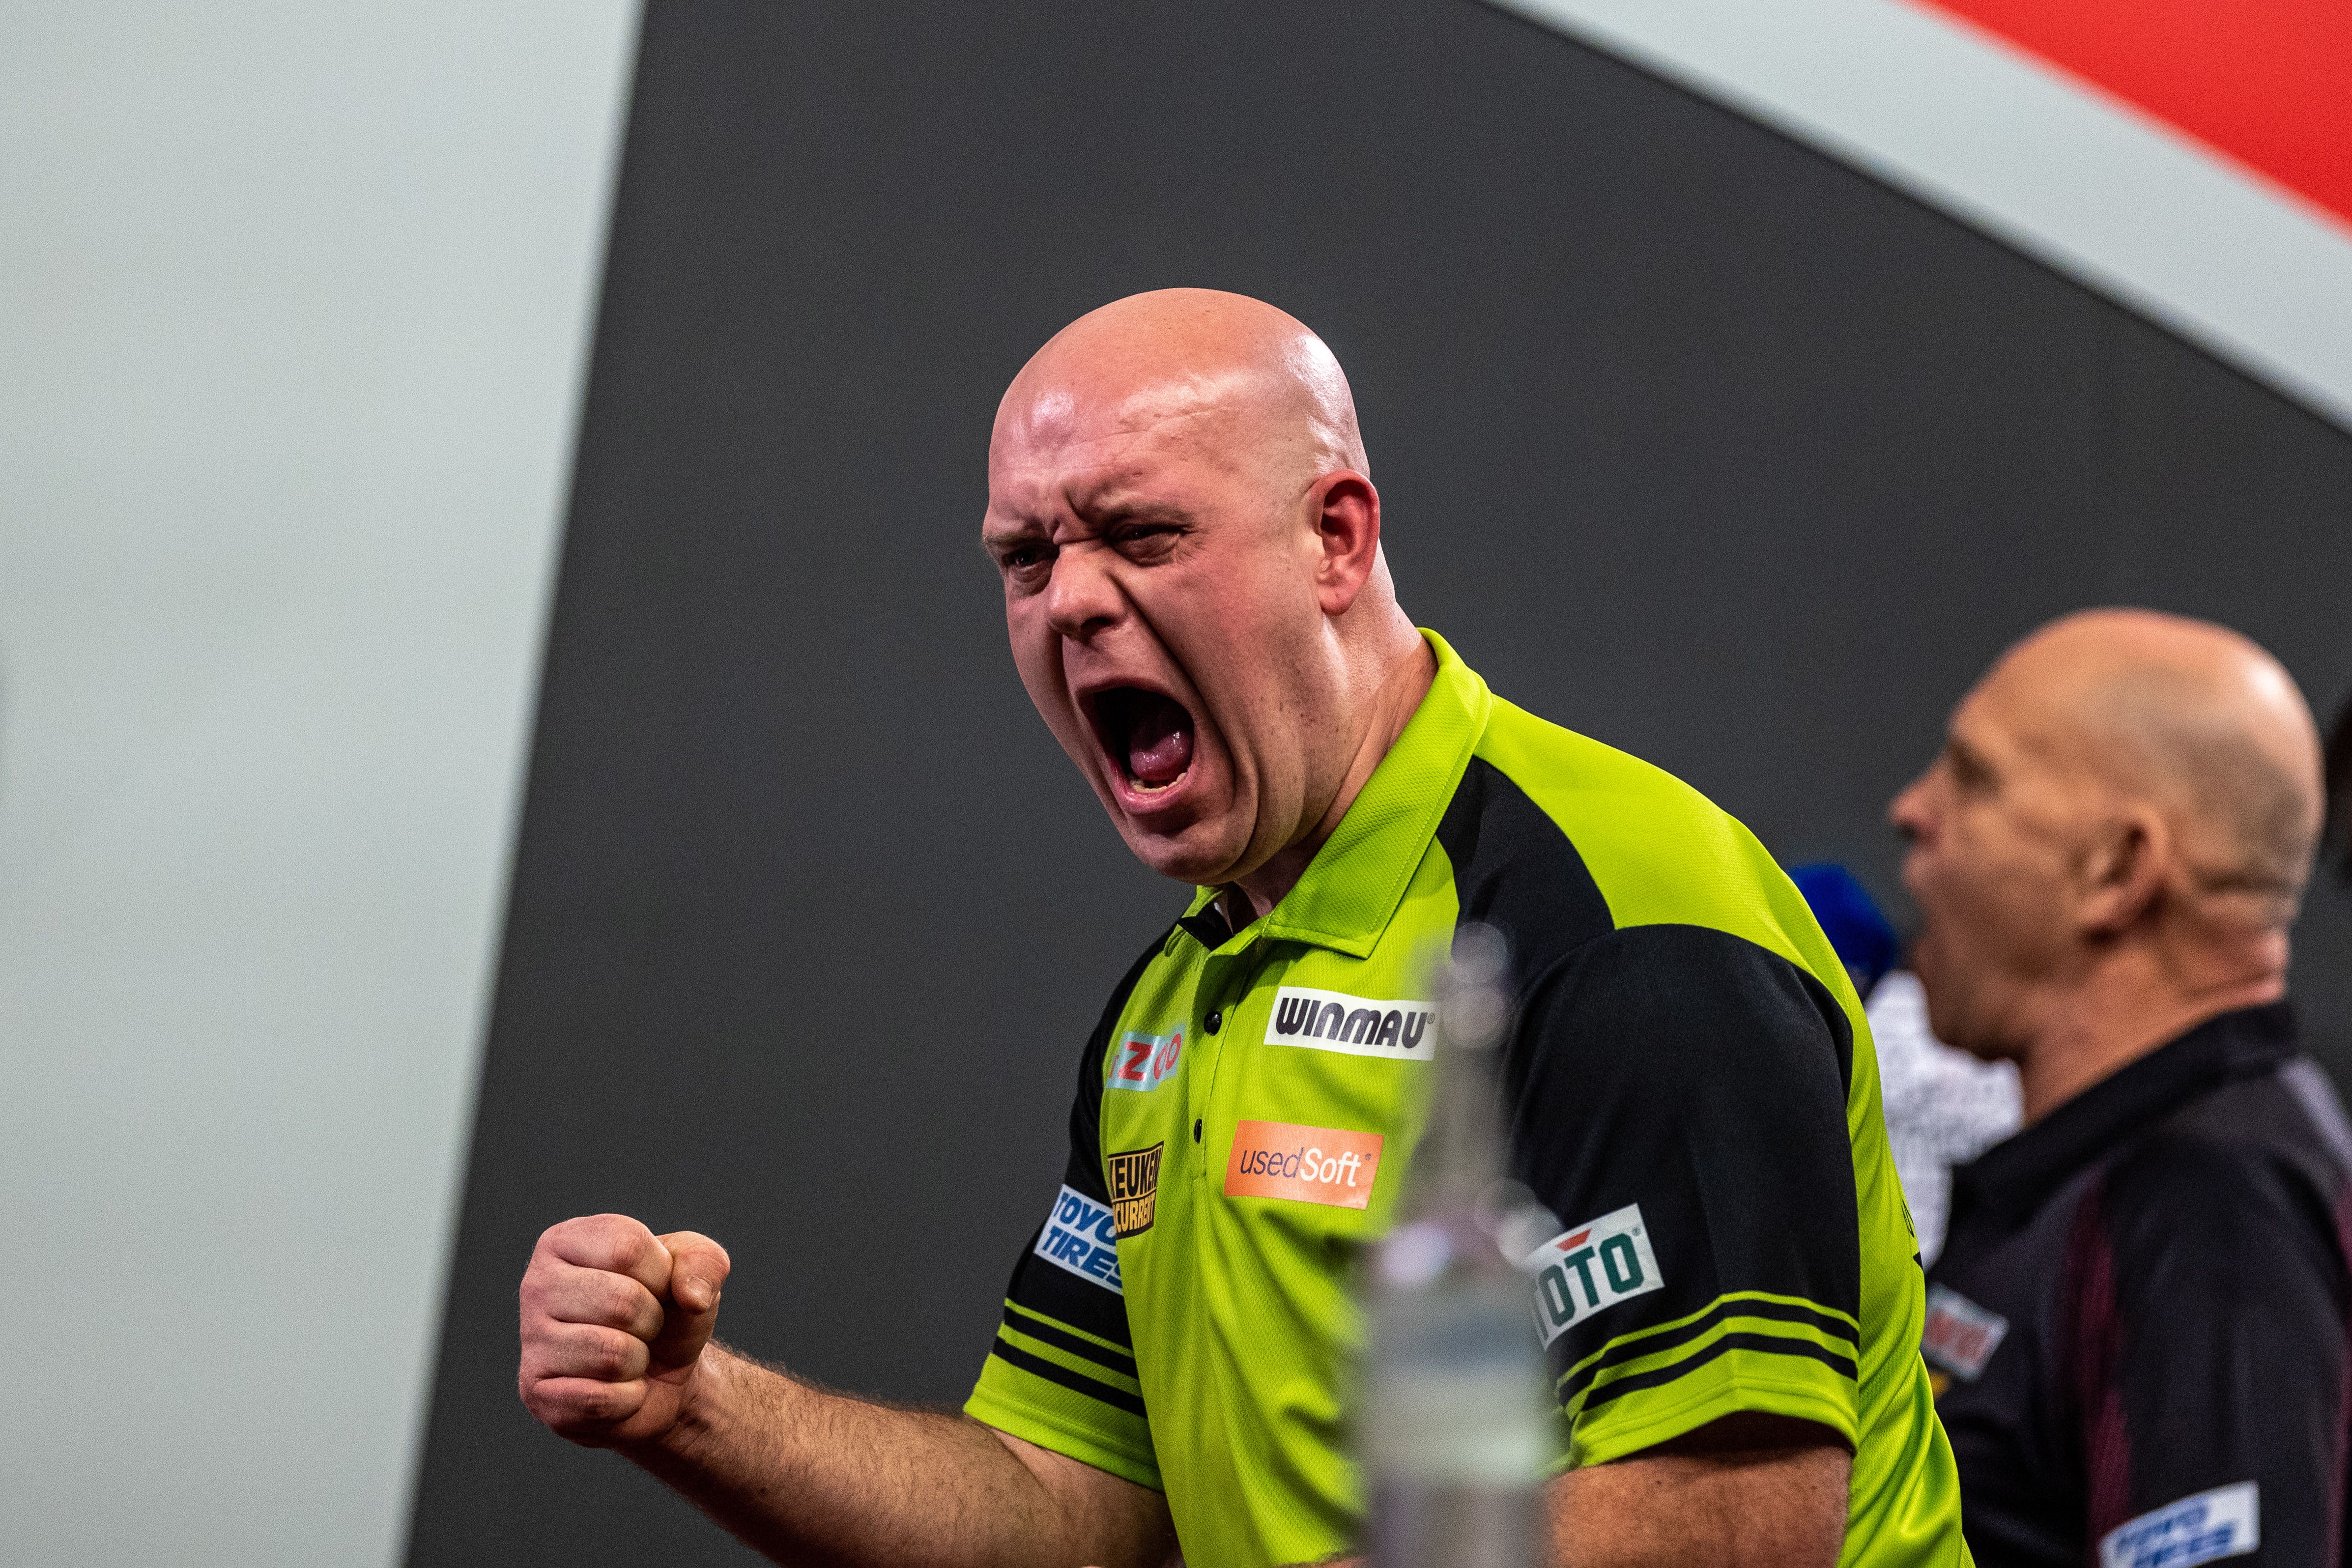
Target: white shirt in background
x,y
1943,1107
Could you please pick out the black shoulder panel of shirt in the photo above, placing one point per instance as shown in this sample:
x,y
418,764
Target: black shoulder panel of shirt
x,y
1086,1108
2205,1292
1518,870
1515,871
2275,1144
1037,1288
1702,1077
2169,1088
1677,1067
2170,1248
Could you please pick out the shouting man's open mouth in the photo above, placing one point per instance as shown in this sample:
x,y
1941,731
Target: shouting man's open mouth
x,y
1147,737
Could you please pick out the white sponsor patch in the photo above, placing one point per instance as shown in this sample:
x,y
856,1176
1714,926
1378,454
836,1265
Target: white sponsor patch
x,y
1332,1020
1960,1336
1081,1236
1589,1268
2223,1522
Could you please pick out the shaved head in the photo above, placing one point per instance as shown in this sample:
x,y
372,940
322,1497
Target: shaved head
x,y
1180,507
1272,389
2113,843
2194,719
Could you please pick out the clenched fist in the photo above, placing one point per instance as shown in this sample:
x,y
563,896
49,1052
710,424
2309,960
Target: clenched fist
x,y
614,1322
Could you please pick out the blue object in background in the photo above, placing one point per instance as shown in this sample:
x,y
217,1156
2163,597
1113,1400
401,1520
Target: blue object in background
x,y
1865,943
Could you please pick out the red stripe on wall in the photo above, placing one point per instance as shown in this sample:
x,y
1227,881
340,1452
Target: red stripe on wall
x,y
2268,82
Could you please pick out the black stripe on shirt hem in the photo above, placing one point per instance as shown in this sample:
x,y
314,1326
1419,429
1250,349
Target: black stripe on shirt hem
x,y
1054,1372
1625,1350
1060,1338
1770,1343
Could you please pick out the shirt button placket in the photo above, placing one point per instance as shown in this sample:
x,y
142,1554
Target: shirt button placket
x,y
1200,1087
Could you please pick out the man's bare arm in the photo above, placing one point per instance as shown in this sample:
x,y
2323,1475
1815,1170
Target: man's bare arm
x,y
616,1353
808,1476
1748,1491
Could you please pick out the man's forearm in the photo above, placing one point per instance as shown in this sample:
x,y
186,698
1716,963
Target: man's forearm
x,y
810,1477
1749,1491
1721,1497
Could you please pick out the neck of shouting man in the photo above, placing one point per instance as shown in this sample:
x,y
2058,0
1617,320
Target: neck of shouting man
x,y
1396,677
2136,991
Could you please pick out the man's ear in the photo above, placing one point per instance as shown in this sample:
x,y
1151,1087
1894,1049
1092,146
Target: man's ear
x,y
1347,512
2123,872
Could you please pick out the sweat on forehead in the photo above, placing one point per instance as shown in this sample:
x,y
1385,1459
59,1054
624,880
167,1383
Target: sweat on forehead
x,y
1177,352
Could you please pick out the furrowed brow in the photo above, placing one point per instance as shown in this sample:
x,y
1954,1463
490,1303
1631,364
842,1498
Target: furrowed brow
x,y
1139,511
994,533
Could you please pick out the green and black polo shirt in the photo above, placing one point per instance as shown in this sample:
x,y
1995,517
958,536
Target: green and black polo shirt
x,y
1692,1092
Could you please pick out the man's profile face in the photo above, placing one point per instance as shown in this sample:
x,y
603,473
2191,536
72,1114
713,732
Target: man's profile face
x,y
1156,568
1989,827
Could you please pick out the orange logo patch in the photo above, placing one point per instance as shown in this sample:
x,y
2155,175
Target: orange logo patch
x,y
1312,1164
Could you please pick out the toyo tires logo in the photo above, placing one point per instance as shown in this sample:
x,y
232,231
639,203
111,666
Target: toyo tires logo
x,y
1081,1237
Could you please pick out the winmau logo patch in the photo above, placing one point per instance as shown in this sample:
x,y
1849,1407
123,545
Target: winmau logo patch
x,y
1332,1020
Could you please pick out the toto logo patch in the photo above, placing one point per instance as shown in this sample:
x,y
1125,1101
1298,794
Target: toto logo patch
x,y
1329,1165
1590,1268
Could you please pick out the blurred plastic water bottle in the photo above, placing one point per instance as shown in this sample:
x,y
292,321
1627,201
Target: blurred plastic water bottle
x,y
1455,1423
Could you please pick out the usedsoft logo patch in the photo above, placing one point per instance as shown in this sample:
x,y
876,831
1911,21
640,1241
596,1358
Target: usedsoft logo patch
x,y
1333,1020
1081,1236
1960,1336
1143,1061
1592,1267
1134,1190
1331,1165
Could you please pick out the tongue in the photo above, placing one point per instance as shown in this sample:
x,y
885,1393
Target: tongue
x,y
1159,742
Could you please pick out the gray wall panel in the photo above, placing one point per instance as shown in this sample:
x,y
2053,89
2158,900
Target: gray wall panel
x,y
294,303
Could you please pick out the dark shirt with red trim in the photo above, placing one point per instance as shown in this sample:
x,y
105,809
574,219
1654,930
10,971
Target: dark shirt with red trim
x,y
2138,1322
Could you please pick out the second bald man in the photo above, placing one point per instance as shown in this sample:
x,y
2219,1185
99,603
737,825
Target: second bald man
x,y
1188,546
2138,1318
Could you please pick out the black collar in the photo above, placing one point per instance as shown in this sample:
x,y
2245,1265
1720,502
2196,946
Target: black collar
x,y
1209,927
2013,1177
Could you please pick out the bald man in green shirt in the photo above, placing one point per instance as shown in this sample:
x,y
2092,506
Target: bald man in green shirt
x,y
1189,541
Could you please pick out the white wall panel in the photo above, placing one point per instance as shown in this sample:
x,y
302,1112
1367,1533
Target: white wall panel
x,y
293,307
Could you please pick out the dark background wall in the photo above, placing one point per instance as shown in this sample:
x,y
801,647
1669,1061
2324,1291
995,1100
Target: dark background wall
x,y
1688,438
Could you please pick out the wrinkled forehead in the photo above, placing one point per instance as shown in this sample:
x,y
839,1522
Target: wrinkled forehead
x,y
1066,443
